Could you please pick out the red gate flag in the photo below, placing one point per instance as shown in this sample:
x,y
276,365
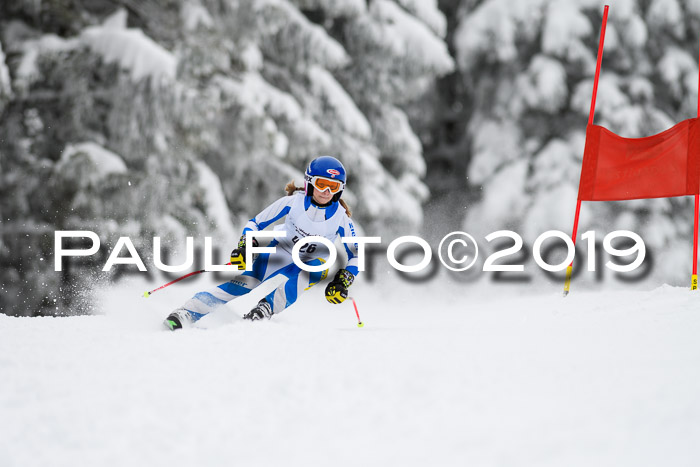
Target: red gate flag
x,y
660,166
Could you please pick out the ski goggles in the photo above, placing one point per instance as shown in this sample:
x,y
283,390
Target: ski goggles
x,y
323,184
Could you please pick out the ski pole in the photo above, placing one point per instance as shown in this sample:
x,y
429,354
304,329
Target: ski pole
x,y
359,321
148,294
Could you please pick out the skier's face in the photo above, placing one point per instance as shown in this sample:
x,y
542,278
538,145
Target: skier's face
x,y
322,197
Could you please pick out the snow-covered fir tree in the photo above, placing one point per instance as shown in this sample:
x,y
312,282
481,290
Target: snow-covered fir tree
x,y
528,69
188,117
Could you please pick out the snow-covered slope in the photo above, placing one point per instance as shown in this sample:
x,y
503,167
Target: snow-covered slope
x,y
597,379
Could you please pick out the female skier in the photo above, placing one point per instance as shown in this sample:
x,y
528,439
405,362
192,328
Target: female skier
x,y
315,210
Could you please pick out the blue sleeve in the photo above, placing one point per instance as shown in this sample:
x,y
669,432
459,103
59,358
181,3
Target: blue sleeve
x,y
270,214
347,229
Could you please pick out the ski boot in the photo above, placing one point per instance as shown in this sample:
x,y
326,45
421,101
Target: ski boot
x,y
178,319
261,310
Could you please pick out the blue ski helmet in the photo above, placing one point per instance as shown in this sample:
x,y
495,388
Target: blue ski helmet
x,y
325,167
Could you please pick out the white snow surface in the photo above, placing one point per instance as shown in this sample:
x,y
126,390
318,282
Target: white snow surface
x,y
475,376
495,145
215,201
338,101
28,70
410,38
5,84
675,66
130,48
104,161
666,14
565,26
259,96
492,29
428,12
544,87
280,14
193,15
334,8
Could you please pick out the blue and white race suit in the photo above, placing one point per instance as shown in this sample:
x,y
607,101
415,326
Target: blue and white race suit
x,y
302,218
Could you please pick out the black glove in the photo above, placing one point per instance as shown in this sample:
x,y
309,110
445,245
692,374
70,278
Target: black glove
x,y
337,289
238,254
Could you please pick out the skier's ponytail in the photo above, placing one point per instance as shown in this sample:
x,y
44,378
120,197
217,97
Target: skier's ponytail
x,y
291,188
345,205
